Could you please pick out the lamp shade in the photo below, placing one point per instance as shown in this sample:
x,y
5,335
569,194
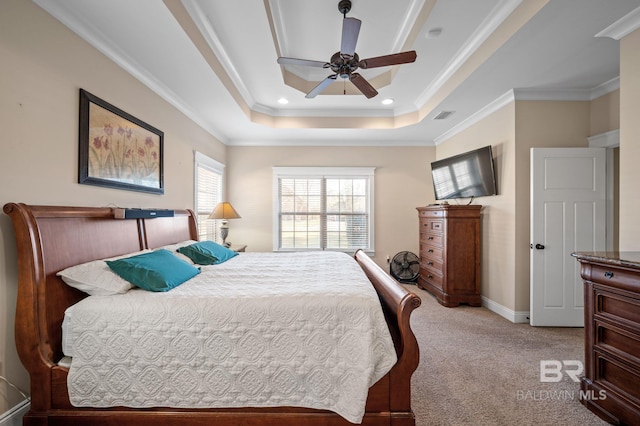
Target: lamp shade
x,y
224,210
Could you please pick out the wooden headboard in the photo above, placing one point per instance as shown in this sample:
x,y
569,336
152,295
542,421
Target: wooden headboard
x,y
50,239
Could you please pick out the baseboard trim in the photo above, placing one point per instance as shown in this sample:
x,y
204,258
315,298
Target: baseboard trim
x,y
13,417
516,317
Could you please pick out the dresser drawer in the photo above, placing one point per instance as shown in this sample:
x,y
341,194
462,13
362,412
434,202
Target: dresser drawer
x,y
431,252
431,213
612,276
431,239
431,277
617,306
618,377
433,226
432,264
621,342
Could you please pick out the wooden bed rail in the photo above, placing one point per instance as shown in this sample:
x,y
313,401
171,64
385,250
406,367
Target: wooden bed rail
x,y
398,303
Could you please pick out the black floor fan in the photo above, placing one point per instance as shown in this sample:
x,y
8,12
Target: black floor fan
x,y
405,267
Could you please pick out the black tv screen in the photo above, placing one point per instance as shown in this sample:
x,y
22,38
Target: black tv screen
x,y
465,175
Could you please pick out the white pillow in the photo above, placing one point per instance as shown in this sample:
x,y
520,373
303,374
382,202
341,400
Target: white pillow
x,y
173,248
96,278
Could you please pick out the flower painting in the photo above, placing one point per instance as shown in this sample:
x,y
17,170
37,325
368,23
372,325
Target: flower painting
x,y
118,150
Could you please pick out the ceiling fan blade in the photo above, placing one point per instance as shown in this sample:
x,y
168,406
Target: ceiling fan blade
x,y
363,85
350,31
320,87
303,62
393,59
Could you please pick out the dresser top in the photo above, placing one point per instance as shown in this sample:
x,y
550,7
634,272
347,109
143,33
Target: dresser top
x,y
620,258
450,207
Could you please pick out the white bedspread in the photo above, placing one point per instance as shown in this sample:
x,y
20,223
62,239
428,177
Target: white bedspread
x,y
260,330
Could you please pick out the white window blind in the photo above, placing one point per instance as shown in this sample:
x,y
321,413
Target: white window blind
x,y
208,184
323,208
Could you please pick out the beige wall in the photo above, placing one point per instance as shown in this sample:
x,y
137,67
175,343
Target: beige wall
x,y
604,113
540,124
511,132
43,67
629,141
402,182
498,224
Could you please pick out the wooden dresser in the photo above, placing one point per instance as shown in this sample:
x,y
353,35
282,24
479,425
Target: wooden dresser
x,y
611,383
450,253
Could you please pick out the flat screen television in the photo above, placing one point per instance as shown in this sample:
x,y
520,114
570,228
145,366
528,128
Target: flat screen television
x,y
465,175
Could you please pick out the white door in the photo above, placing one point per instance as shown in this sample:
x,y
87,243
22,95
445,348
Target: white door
x,y
568,214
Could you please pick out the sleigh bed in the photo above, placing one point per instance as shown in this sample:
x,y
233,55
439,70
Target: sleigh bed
x,y
51,238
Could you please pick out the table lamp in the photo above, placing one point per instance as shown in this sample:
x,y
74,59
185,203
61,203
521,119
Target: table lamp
x,y
224,211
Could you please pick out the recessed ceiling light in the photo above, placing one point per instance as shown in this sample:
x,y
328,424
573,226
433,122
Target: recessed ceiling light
x,y
387,101
283,101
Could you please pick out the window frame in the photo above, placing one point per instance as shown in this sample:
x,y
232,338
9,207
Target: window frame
x,y
206,162
323,173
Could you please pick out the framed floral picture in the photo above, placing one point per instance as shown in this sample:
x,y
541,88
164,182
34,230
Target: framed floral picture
x,y
118,150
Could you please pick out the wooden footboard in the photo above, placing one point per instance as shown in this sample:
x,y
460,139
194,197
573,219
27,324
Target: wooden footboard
x,y
49,239
398,304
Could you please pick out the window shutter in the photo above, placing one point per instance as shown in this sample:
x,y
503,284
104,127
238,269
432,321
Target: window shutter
x,y
208,186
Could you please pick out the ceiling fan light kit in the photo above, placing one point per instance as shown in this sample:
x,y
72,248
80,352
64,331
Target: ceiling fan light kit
x,y
345,62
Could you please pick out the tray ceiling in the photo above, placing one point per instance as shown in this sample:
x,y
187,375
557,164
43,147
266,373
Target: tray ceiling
x,y
216,61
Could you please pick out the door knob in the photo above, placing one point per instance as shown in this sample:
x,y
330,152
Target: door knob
x,y
539,247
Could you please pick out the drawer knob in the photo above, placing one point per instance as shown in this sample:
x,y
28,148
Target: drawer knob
x,y
429,238
430,276
430,250
608,274
430,263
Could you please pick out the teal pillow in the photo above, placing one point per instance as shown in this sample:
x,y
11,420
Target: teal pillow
x,y
207,253
158,270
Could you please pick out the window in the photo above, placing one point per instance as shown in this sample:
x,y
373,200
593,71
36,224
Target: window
x,y
208,186
323,208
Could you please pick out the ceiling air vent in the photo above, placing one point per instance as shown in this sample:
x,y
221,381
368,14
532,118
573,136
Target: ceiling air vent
x,y
442,115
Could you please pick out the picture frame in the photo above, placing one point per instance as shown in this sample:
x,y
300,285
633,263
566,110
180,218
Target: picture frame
x,y
118,150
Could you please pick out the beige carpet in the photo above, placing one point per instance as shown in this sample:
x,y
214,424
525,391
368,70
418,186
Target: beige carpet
x,y
477,368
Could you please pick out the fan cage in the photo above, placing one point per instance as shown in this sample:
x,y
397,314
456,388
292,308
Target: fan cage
x,y
405,267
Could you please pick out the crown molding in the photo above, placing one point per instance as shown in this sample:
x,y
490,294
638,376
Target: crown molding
x,y
605,88
323,112
330,142
204,25
408,22
532,95
623,26
75,23
552,94
497,16
584,94
481,114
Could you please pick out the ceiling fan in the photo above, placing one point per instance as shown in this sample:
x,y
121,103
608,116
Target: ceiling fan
x,y
345,62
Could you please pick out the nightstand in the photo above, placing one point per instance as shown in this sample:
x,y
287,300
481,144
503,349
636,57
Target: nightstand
x,y
237,247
